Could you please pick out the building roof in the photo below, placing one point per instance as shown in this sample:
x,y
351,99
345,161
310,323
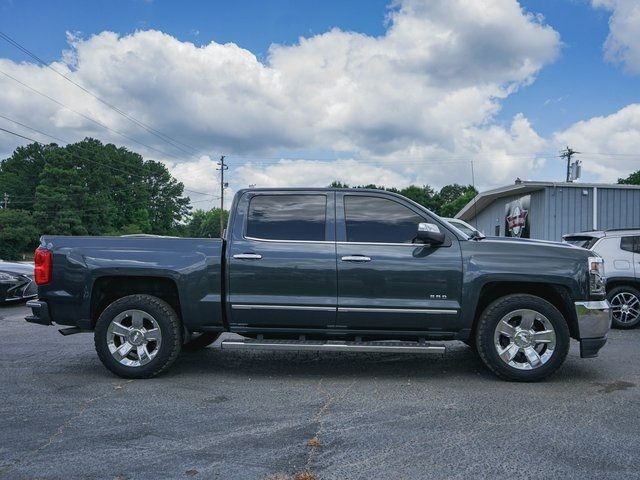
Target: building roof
x,y
484,199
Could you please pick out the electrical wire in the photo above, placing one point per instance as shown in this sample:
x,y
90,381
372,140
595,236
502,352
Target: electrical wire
x,y
85,159
162,136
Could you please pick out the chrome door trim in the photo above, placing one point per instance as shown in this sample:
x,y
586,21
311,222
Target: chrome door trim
x,y
414,245
287,241
281,307
429,311
356,258
248,256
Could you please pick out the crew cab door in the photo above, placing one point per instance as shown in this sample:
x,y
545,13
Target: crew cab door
x,y
282,261
384,280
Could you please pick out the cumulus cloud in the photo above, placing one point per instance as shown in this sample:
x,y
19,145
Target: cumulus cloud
x,y
419,97
623,42
610,143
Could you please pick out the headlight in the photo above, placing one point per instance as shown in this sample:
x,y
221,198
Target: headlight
x,y
8,277
597,280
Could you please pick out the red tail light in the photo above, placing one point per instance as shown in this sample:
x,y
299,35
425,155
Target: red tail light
x,y
43,266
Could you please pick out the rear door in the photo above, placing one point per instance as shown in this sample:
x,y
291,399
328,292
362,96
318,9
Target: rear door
x,y
384,280
282,260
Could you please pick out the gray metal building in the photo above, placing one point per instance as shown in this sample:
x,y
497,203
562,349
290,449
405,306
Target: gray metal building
x,y
548,210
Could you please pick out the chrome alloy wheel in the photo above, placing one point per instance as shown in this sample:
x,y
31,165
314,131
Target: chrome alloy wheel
x,y
625,307
134,338
524,339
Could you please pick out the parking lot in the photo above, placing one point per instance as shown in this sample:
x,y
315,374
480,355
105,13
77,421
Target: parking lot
x,y
251,415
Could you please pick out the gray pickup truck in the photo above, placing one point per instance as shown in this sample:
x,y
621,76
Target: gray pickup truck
x,y
325,270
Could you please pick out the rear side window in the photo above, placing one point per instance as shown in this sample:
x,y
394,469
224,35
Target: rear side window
x,y
378,220
287,217
630,244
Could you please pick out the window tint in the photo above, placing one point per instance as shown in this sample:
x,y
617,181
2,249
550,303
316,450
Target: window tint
x,y
287,217
630,244
378,220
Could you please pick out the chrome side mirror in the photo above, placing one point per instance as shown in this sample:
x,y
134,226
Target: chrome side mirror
x,y
430,233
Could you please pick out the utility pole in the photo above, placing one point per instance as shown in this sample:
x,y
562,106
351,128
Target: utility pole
x,y
6,200
222,168
568,153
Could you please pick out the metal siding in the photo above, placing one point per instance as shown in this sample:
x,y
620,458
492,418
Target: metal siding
x,y
618,208
568,210
556,211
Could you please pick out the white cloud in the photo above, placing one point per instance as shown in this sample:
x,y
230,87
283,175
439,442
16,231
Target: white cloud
x,y
610,144
427,89
623,43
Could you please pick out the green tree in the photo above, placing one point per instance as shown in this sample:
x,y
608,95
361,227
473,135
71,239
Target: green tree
x,y
18,234
632,179
95,189
205,224
20,173
447,202
453,207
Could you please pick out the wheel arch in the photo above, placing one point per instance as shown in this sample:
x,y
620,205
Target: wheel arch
x,y
107,289
615,282
557,295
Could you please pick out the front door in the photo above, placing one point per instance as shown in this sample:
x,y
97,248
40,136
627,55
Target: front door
x,y
282,261
385,281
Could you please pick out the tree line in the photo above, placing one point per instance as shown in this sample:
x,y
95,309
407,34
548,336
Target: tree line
x,y
91,188
446,202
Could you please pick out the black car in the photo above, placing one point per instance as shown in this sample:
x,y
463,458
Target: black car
x,y
16,282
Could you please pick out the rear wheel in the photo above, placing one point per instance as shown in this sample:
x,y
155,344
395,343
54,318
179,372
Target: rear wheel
x,y
625,306
522,338
138,336
198,341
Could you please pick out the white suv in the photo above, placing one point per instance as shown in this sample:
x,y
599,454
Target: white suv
x,y
621,252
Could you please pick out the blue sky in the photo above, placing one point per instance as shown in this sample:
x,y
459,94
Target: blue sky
x,y
578,85
559,97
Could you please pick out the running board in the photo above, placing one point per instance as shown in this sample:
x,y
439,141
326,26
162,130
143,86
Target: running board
x,y
333,346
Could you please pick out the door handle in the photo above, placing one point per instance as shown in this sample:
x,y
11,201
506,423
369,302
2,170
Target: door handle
x,y
356,258
248,256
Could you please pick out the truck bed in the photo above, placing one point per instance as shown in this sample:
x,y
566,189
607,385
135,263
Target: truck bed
x,y
88,270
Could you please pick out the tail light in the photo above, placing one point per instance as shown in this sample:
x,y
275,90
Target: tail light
x,y
43,266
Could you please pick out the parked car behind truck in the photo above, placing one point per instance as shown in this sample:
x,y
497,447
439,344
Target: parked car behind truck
x,y
325,269
621,251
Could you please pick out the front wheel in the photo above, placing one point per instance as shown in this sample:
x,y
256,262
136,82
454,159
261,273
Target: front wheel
x,y
138,336
625,307
522,338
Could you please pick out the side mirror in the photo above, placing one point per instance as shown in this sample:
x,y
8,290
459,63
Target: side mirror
x,y
430,233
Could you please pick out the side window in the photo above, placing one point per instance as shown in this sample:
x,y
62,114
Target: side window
x,y
379,220
287,217
630,244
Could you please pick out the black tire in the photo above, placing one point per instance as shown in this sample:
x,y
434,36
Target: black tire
x,y
627,291
471,343
199,341
504,306
170,330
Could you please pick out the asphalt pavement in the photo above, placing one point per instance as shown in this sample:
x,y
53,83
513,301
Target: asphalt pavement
x,y
254,415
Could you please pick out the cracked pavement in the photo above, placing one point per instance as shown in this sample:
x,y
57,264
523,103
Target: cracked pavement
x,y
246,415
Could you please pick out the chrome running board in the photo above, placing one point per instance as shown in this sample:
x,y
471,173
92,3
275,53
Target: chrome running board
x,y
333,346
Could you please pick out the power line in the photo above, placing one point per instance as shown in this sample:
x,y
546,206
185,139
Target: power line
x,y
86,159
164,137
87,117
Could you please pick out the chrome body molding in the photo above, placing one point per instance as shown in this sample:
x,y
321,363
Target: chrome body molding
x,y
594,318
281,307
428,311
344,309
